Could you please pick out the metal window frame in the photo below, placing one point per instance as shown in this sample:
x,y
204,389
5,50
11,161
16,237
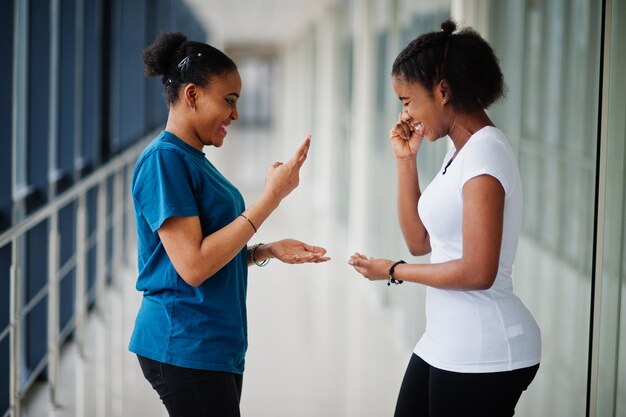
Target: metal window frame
x,y
605,296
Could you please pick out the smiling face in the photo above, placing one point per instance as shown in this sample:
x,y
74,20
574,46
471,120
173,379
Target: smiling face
x,y
216,108
419,106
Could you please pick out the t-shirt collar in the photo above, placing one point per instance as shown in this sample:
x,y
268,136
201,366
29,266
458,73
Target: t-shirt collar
x,y
175,140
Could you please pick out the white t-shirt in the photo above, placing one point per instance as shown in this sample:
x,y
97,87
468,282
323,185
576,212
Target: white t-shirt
x,y
476,331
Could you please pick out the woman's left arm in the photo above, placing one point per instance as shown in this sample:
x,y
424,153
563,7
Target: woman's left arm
x,y
483,216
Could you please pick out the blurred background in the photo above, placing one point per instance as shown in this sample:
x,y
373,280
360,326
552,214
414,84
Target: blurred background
x,y
78,110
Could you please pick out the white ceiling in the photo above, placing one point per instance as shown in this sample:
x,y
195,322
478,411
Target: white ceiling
x,y
236,23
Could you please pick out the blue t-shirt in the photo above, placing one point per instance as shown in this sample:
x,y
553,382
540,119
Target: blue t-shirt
x,y
200,327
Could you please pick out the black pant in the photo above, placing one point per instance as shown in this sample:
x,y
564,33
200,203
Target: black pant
x,y
187,392
427,391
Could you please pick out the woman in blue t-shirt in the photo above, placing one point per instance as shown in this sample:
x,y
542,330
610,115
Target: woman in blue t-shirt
x,y
190,334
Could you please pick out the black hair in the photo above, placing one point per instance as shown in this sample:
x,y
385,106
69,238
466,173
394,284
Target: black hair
x,y
462,58
179,61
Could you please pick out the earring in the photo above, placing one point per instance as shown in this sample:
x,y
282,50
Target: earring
x,y
445,100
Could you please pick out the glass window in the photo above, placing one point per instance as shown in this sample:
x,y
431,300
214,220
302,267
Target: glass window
x,y
113,91
131,105
156,109
19,130
345,76
382,221
38,103
67,88
255,107
6,97
91,89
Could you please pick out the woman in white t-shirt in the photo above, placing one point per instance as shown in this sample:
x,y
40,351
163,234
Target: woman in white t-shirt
x,y
482,347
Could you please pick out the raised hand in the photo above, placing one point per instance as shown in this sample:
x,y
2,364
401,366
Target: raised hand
x,y
281,179
406,137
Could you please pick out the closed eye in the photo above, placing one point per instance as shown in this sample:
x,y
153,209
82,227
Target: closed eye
x,y
404,100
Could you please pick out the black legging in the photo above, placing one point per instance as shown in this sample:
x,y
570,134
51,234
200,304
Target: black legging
x,y
187,392
427,391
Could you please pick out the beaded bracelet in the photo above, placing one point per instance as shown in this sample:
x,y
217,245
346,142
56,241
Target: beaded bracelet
x,y
252,252
391,279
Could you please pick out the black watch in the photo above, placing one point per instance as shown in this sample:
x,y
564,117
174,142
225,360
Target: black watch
x,y
391,279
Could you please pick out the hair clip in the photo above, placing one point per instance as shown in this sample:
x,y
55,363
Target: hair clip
x,y
184,66
184,61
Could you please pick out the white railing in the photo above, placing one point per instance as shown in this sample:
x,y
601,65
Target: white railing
x,y
119,170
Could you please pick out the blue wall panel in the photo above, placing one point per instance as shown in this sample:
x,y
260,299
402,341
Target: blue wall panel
x,y
92,73
36,278
67,88
38,102
67,232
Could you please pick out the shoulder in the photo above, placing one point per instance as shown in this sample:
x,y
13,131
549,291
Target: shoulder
x,y
162,162
160,147
489,146
488,141
161,154
489,152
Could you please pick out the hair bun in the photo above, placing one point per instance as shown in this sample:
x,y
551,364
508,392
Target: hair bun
x,y
448,27
158,57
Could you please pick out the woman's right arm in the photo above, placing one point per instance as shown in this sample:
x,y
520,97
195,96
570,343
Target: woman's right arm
x,y
406,142
196,258
413,230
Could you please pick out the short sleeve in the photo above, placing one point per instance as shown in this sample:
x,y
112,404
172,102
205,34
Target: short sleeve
x,y
163,187
488,156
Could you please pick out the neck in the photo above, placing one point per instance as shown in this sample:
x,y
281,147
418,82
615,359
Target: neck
x,y
464,125
183,129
